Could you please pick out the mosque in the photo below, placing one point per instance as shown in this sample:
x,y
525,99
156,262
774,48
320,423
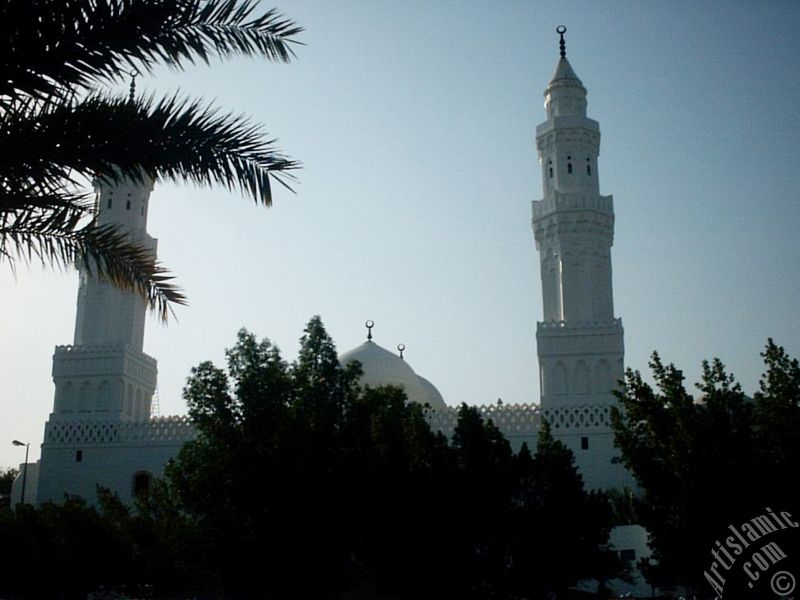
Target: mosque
x,y
101,431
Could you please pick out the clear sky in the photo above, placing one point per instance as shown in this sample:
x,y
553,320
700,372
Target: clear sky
x,y
415,123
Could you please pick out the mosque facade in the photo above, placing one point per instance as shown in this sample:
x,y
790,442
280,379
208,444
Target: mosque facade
x,y
101,432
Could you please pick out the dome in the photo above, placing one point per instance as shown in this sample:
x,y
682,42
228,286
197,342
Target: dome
x,y
381,367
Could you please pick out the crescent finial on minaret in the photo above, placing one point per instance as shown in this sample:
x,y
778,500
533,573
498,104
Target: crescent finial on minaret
x,y
561,30
133,75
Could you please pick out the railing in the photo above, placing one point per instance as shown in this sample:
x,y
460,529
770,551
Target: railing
x,y
585,324
572,201
164,429
81,349
512,419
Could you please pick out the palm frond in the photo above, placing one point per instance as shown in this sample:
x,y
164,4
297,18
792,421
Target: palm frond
x,y
172,138
51,47
62,238
52,138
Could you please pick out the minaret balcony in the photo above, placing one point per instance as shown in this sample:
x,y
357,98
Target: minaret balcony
x,y
560,201
105,360
573,325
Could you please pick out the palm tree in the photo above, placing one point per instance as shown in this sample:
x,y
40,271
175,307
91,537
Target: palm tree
x,y
59,128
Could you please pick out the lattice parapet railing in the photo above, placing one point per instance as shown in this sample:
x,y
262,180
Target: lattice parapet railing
x,y
164,429
511,419
585,417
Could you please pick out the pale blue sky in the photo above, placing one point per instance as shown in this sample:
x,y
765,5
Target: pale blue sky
x,y
414,122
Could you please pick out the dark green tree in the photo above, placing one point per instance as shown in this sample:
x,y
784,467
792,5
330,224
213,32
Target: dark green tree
x,y
565,520
82,551
705,462
60,127
777,426
302,484
6,480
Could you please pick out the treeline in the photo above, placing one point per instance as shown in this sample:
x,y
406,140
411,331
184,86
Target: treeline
x,y
302,484
709,461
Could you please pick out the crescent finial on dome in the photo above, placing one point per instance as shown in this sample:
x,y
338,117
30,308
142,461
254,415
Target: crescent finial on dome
x,y
369,324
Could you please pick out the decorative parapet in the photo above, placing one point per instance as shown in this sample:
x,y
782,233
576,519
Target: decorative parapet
x,y
163,429
563,201
572,130
105,361
516,420
584,417
512,419
546,326
69,350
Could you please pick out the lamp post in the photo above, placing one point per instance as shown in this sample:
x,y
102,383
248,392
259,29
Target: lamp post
x,y
24,467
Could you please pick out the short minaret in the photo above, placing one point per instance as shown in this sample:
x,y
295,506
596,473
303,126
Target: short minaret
x,y
105,375
580,342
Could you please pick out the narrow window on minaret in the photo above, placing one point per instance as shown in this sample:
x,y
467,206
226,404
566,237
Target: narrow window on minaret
x,y
588,167
128,205
584,443
569,167
108,204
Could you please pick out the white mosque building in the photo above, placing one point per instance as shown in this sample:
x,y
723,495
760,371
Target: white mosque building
x,y
101,432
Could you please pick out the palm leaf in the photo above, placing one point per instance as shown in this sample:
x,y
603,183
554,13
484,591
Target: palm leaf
x,y
52,137
174,139
52,47
63,238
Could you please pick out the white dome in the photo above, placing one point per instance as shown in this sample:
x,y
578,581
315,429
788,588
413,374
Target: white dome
x,y
381,367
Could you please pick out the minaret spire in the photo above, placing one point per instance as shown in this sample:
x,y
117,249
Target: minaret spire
x,y
561,30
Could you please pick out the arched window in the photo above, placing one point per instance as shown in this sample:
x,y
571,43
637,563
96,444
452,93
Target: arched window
x,y
103,398
129,401
569,167
588,166
128,205
141,482
85,399
560,378
138,407
68,398
108,204
550,168
582,383
604,376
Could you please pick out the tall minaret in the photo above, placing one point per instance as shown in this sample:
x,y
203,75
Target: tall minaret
x,y
579,341
105,375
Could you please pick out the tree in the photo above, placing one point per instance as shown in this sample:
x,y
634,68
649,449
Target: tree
x,y
302,484
565,520
6,481
81,551
57,128
705,463
296,468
